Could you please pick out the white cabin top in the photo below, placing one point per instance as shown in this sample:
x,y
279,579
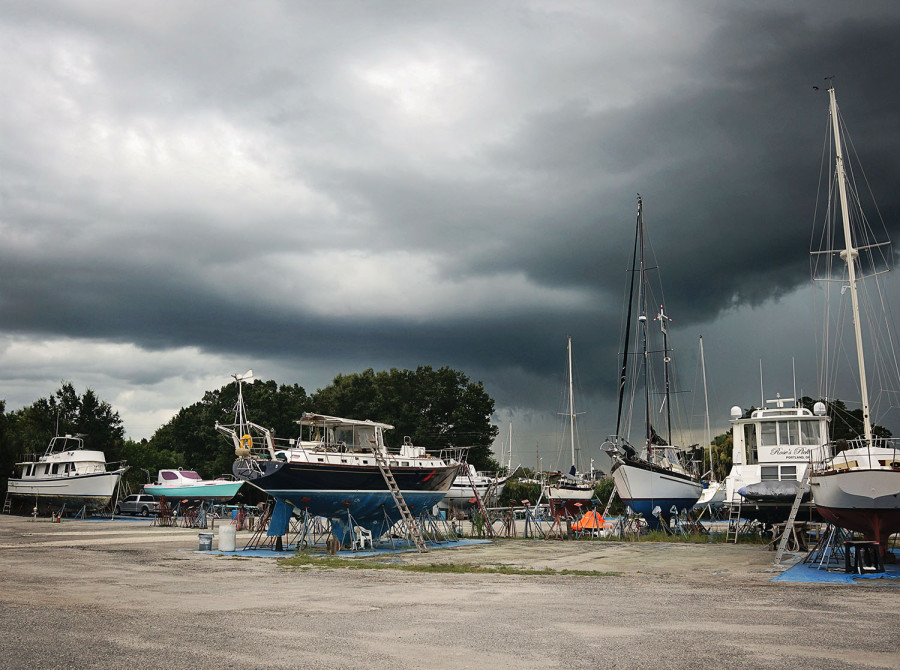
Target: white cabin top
x,y
778,434
178,476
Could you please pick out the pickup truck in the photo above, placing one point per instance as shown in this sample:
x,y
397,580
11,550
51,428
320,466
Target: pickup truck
x,y
139,503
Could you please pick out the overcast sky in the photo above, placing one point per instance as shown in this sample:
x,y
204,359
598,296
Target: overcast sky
x,y
192,189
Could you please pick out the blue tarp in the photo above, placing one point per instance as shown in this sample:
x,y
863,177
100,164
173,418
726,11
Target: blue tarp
x,y
281,519
806,573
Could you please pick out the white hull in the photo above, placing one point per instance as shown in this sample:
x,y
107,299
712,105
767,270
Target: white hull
x,y
713,495
858,489
576,495
641,487
95,488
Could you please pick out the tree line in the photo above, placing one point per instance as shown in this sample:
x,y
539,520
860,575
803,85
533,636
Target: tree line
x,y
436,408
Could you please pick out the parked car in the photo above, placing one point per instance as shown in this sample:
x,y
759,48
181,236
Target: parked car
x,y
139,503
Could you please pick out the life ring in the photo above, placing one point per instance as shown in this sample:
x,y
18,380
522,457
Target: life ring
x,y
246,442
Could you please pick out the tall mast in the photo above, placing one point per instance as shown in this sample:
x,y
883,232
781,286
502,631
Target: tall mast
x,y
642,320
571,404
706,401
849,256
626,349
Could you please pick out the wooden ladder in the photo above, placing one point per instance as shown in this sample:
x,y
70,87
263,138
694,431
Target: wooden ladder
x,y
488,522
789,526
412,528
734,521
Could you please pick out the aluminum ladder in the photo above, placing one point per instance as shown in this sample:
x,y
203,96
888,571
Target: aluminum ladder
x,y
412,528
7,504
734,521
610,501
789,526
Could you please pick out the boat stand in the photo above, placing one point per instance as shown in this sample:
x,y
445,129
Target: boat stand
x,y
435,529
828,552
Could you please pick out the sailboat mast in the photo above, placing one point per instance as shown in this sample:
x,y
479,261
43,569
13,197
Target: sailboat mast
x,y
571,404
706,402
626,349
849,256
642,320
663,319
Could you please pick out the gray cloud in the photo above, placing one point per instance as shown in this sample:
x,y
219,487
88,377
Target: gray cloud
x,y
324,188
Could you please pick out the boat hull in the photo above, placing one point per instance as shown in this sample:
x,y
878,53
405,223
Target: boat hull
x,y
644,487
93,491
348,495
216,492
571,501
862,500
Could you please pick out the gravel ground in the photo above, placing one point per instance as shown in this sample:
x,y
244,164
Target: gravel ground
x,y
124,594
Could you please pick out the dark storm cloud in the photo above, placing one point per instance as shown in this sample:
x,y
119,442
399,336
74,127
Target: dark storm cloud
x,y
258,182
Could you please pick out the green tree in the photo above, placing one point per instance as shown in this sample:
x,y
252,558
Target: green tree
x,y
435,408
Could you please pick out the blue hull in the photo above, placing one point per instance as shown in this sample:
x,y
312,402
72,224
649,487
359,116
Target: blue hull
x,y
348,495
645,508
217,492
372,510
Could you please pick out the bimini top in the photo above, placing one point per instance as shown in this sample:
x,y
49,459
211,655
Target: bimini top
x,y
310,419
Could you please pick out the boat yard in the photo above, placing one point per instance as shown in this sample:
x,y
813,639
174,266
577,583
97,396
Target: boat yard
x,y
107,593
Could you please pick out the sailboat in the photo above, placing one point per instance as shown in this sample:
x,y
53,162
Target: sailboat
x,y
332,470
857,484
713,495
571,489
655,480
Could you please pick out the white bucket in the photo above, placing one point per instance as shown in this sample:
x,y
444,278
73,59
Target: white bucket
x,y
205,541
227,535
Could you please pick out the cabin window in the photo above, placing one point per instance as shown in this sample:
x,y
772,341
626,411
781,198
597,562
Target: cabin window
x,y
55,469
788,432
365,462
809,432
321,460
750,442
343,460
405,464
768,436
789,472
768,473
171,476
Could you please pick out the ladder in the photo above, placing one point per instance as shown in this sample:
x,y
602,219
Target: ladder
x,y
488,522
412,527
7,504
734,521
610,501
789,526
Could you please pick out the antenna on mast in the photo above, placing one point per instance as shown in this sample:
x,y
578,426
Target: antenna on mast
x,y
794,372
762,395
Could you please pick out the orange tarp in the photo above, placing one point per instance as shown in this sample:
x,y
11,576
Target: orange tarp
x,y
590,521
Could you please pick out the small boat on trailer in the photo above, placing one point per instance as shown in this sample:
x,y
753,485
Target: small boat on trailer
x,y
186,484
